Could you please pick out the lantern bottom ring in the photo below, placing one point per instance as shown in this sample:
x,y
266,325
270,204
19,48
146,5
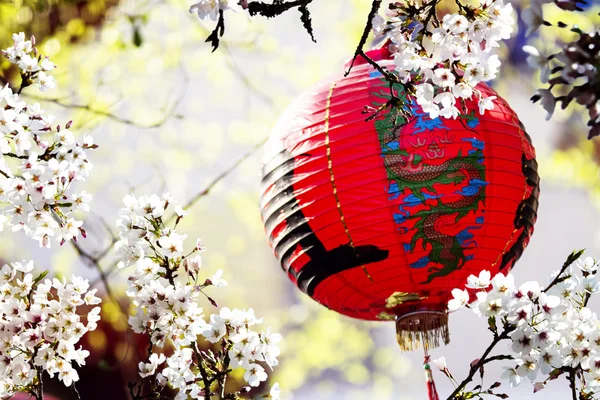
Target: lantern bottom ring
x,y
426,328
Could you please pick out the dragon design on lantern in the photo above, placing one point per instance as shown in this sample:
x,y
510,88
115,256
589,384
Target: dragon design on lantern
x,y
421,160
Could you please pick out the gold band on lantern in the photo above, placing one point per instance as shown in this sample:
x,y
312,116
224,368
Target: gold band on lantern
x,y
331,176
425,329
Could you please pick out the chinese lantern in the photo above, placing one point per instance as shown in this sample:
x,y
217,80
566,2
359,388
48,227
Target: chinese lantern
x,y
380,218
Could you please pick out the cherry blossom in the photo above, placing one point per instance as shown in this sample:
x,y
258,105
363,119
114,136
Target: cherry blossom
x,y
551,329
34,68
571,72
41,164
41,326
461,298
166,290
452,58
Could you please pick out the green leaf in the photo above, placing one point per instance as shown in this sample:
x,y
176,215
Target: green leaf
x,y
40,277
574,256
138,40
492,324
556,373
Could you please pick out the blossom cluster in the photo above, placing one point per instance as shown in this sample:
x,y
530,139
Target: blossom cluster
x,y
533,16
445,60
39,163
165,288
40,325
572,70
34,68
552,331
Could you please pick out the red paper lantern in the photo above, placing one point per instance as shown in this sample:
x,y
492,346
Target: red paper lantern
x,y
380,219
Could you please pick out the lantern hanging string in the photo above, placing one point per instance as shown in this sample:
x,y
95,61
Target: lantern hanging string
x,y
431,390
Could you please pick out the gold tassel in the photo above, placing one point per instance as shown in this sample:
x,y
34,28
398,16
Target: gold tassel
x,y
422,329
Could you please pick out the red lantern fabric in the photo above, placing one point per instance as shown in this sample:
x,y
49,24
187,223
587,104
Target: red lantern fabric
x,y
383,217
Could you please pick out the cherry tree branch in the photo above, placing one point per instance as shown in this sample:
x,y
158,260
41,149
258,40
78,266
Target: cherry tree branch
x,y
572,383
239,72
167,115
482,361
267,10
560,276
204,192
272,10
217,33
363,39
105,274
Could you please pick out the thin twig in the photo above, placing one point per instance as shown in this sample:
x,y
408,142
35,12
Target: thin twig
x,y
75,392
275,9
217,33
363,39
87,107
40,391
224,367
203,373
111,269
572,383
244,78
94,262
221,176
122,120
559,277
482,361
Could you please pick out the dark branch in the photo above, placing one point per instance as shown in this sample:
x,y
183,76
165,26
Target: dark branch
x,y
363,39
572,383
307,21
273,10
278,7
75,392
570,260
482,361
217,33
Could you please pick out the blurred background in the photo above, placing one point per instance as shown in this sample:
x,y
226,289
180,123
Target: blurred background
x,y
170,116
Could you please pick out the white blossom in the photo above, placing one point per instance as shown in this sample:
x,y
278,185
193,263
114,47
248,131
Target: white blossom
x,y
538,61
217,279
533,16
588,265
255,374
486,103
40,163
275,392
458,57
34,67
548,101
440,363
461,298
41,328
479,282
549,328
165,289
